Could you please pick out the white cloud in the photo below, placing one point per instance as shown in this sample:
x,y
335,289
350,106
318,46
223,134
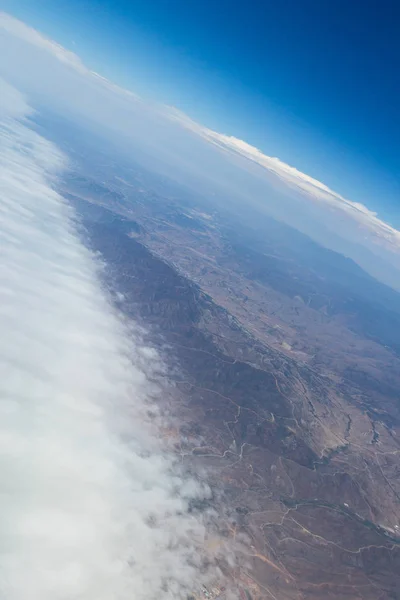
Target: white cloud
x,y
30,35
292,177
11,102
92,504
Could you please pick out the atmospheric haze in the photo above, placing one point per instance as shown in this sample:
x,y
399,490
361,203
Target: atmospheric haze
x,y
166,141
92,505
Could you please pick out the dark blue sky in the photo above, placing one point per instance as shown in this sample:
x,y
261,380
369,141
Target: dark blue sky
x,y
314,82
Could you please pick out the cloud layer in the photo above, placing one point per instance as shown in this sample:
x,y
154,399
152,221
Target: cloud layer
x,y
308,186
92,505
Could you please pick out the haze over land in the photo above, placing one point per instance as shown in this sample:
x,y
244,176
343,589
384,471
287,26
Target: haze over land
x,y
164,140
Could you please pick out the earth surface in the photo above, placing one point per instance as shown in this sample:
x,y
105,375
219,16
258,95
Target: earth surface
x,y
284,372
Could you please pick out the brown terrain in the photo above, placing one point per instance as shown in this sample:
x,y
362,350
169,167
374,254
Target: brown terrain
x,y
286,367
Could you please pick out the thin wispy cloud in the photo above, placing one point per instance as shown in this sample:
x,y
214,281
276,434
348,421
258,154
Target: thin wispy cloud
x,y
32,37
292,177
93,505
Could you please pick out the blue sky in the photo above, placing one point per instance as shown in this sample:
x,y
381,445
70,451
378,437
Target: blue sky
x,y
314,83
